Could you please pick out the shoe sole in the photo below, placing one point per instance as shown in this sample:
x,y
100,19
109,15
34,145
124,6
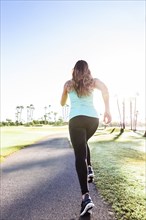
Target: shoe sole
x,y
88,208
90,211
91,175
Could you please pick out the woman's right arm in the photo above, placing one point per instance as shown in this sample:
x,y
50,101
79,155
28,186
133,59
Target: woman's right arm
x,y
105,95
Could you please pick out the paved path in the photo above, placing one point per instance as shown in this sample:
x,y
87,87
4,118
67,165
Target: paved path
x,y
40,183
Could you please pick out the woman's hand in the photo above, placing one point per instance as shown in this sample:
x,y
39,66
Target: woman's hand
x,y
107,118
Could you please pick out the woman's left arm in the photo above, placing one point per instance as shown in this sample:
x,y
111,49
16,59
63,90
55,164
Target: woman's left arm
x,y
64,95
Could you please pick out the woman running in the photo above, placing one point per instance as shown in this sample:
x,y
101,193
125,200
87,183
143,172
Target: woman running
x,y
83,123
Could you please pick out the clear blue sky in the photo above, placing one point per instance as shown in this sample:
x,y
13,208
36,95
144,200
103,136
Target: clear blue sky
x,y
42,40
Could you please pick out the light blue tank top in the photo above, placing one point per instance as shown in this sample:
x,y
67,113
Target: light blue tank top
x,y
82,105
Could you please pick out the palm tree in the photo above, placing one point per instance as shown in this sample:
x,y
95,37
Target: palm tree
x,y
131,114
55,113
49,117
17,114
119,113
45,115
123,114
16,117
28,113
21,108
31,111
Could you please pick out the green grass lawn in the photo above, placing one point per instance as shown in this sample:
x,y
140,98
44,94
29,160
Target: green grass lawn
x,y
119,161
15,138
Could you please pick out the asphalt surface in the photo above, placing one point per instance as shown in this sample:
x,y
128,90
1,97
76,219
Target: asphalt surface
x,y
40,182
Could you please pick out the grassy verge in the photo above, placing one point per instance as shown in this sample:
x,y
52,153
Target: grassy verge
x,y
119,162
16,138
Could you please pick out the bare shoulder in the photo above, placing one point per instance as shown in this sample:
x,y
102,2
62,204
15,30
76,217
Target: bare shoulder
x,y
68,82
68,85
98,84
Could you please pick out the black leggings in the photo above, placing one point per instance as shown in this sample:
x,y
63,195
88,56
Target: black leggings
x,y
81,129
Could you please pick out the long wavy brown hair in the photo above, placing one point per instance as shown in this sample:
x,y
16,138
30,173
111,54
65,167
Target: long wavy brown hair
x,y
82,81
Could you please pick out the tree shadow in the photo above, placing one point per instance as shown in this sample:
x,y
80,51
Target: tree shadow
x,y
121,132
140,133
46,146
112,130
